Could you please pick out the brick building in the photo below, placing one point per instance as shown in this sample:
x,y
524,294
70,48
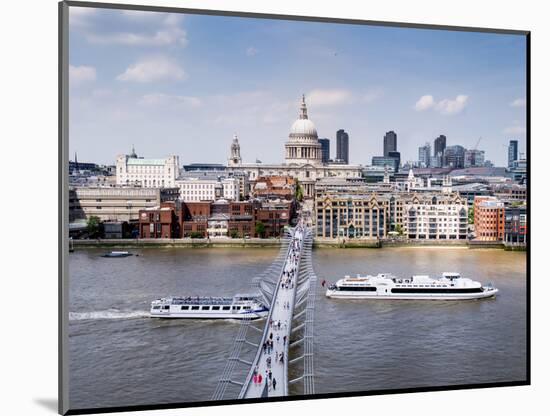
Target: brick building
x,y
489,218
275,216
274,187
234,219
159,222
194,218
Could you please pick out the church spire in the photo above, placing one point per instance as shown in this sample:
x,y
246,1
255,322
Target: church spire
x,y
303,108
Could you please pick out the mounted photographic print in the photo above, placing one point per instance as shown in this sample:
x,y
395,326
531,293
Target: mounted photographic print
x,y
264,208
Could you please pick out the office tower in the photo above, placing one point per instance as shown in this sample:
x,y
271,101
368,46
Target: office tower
x,y
397,157
440,144
512,153
424,153
325,150
454,156
390,143
474,158
342,146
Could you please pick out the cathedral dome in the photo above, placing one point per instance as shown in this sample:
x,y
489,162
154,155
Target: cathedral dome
x,y
303,127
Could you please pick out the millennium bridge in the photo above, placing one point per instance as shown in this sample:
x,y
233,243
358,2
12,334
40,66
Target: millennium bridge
x,y
266,360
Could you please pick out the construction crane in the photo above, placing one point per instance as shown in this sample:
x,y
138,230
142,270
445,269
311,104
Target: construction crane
x,y
477,143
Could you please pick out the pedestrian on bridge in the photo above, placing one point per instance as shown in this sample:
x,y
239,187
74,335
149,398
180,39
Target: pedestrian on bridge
x,y
274,383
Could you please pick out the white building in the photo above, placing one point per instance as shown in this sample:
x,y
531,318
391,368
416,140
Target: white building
x,y
193,189
303,158
436,217
132,170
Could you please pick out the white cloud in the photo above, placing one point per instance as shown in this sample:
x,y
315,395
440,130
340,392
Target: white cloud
x,y
425,102
80,16
81,74
251,51
518,102
447,106
328,97
153,69
168,36
155,29
158,99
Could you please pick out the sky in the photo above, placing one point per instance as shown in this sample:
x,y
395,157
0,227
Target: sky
x,y
185,84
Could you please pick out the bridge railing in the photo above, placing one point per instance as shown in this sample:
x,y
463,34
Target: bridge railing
x,y
225,379
265,333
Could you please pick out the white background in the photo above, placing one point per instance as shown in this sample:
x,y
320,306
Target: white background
x,y
28,163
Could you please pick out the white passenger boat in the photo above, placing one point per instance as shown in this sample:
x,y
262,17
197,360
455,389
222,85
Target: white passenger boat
x,y
240,306
450,286
115,254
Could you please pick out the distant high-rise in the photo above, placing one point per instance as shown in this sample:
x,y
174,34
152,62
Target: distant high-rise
x,y
512,153
390,143
454,156
397,156
439,145
342,146
474,158
325,150
424,153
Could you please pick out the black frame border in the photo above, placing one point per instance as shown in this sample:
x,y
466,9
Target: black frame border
x,y
63,140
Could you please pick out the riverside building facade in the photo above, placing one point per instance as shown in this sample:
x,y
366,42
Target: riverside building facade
x,y
418,216
116,203
489,218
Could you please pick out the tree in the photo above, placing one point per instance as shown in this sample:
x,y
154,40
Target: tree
x,y
260,229
234,234
399,229
196,234
299,192
470,215
92,226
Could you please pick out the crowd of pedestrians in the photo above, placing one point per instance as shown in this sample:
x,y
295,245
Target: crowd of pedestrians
x,y
275,343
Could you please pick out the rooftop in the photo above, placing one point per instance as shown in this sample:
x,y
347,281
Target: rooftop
x,y
146,162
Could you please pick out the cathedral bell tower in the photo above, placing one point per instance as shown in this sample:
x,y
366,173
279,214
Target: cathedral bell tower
x,y
235,155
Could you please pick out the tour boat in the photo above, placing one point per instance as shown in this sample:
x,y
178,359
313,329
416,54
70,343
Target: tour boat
x,y
450,286
197,307
117,254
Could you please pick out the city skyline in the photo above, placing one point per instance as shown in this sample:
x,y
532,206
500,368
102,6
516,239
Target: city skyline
x,y
176,84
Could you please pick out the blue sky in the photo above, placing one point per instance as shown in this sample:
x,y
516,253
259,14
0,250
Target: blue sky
x,y
184,84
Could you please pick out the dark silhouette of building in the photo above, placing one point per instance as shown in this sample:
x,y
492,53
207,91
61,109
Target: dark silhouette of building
x,y
342,146
454,156
390,143
397,156
325,150
512,153
440,144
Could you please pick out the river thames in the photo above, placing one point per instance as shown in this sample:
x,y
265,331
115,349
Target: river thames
x,y
121,357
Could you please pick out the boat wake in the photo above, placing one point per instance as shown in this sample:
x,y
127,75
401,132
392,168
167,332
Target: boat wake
x,y
107,314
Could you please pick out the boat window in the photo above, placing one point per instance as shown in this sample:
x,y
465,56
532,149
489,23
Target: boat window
x,y
205,308
166,307
246,307
226,308
156,307
194,308
215,308
185,308
238,308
